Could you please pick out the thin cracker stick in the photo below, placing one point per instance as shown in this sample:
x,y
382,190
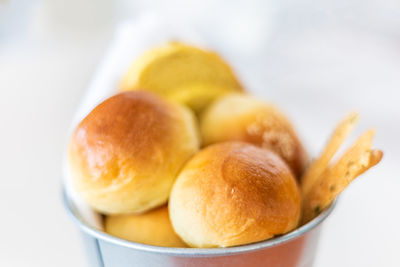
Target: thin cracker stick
x,y
357,159
321,163
375,157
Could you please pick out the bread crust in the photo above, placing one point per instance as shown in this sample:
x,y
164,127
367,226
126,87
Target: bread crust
x,y
125,155
239,117
151,228
234,193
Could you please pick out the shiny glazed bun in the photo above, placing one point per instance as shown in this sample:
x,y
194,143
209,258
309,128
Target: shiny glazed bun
x,y
151,228
182,73
125,155
244,118
233,193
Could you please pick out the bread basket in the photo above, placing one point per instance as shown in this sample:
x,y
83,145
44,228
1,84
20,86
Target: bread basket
x,y
295,249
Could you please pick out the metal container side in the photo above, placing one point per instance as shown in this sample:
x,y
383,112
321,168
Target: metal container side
x,y
294,249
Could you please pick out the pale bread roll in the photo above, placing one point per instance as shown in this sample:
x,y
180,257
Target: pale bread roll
x,y
238,117
151,228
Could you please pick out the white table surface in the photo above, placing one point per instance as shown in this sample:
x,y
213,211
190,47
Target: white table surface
x,y
316,76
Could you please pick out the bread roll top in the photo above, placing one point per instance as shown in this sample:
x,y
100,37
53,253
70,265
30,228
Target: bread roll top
x,y
234,193
238,117
125,155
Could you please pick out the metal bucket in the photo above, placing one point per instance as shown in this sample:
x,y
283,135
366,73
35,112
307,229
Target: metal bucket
x,y
295,249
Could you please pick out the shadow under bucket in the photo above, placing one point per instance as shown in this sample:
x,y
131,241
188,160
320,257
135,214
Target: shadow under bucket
x,y
295,249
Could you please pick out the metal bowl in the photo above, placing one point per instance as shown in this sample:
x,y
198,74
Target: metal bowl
x,y
294,249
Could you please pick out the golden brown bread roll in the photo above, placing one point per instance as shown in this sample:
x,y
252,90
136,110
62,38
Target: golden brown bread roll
x,y
233,193
244,118
125,155
151,228
182,73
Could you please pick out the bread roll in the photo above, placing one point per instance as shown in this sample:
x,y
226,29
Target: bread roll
x,y
182,73
125,155
231,194
244,118
151,228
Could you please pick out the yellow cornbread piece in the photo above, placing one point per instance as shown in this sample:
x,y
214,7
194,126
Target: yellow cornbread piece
x,y
183,74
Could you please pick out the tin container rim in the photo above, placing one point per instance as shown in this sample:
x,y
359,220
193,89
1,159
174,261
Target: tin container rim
x,y
192,252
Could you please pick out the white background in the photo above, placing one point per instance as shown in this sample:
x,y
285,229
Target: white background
x,y
317,61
